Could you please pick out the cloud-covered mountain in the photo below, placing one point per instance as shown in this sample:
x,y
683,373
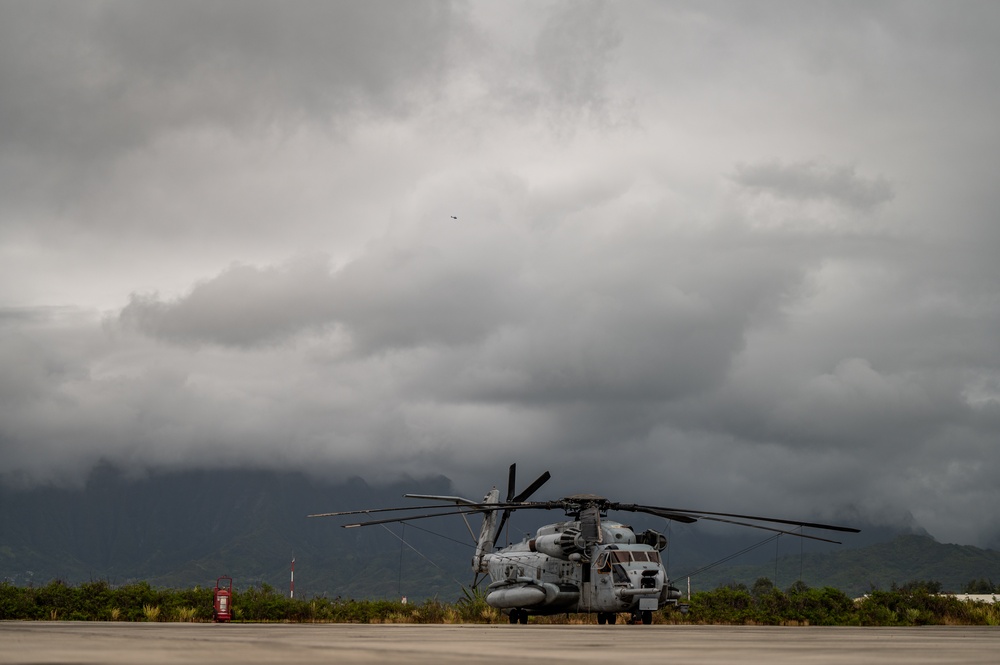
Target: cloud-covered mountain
x,y
186,529
710,253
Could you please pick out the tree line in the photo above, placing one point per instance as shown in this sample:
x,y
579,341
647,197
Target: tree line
x,y
913,604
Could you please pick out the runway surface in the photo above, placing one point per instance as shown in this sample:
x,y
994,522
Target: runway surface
x,y
169,643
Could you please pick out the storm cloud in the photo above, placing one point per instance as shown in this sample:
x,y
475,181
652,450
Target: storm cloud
x,y
702,254
813,181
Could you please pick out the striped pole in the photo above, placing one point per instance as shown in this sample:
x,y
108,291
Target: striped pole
x,y
291,593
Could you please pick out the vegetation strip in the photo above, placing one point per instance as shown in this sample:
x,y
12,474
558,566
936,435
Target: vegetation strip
x,y
914,604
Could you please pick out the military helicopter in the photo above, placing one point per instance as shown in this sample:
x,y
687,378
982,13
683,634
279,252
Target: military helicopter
x,y
585,564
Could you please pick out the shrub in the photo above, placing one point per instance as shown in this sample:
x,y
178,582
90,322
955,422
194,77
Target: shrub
x,y
727,604
17,603
981,586
473,608
910,605
820,607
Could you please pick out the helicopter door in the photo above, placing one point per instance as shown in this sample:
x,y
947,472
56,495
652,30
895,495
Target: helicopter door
x,y
602,596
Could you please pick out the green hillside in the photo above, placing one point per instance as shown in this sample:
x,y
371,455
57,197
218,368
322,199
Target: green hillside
x,y
856,571
185,529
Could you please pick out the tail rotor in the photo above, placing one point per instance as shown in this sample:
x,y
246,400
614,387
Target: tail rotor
x,y
493,523
523,496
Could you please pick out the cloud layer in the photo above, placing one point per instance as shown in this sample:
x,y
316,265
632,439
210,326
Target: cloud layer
x,y
703,255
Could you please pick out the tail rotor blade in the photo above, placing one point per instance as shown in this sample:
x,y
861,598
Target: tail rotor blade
x,y
532,488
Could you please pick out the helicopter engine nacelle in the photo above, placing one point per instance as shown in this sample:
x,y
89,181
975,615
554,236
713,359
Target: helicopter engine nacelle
x,y
653,539
559,545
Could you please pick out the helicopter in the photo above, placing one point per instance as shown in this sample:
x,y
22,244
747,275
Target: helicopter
x,y
587,563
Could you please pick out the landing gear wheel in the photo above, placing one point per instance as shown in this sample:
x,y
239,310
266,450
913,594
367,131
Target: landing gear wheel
x,y
612,618
524,616
519,616
513,616
602,618
647,617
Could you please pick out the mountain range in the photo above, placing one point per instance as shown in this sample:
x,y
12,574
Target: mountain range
x,y
187,528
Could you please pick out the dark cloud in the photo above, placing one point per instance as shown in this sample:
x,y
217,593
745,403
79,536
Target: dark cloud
x,y
383,239
811,180
390,298
85,84
398,297
243,306
573,52
109,74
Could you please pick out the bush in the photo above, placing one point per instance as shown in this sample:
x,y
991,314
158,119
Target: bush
x,y
981,586
820,607
473,608
917,605
17,603
727,604
913,604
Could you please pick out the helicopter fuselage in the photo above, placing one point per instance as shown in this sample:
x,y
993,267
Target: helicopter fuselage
x,y
587,563
558,571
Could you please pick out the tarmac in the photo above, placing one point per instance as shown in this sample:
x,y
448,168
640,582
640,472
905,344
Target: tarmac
x,y
171,643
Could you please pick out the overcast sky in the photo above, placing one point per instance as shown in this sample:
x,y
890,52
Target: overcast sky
x,y
733,256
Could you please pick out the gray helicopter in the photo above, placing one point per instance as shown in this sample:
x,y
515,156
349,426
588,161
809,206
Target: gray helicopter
x,y
587,563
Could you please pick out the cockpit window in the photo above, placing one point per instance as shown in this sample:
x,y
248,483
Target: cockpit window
x,y
628,556
609,558
647,556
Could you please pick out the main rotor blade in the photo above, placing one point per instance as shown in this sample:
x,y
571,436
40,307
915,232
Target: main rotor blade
x,y
720,517
688,518
409,518
668,514
386,510
773,529
438,497
703,514
466,510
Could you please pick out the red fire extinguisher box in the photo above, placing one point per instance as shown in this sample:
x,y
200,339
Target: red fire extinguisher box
x,y
222,609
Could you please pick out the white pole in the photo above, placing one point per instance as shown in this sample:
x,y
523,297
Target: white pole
x,y
291,592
